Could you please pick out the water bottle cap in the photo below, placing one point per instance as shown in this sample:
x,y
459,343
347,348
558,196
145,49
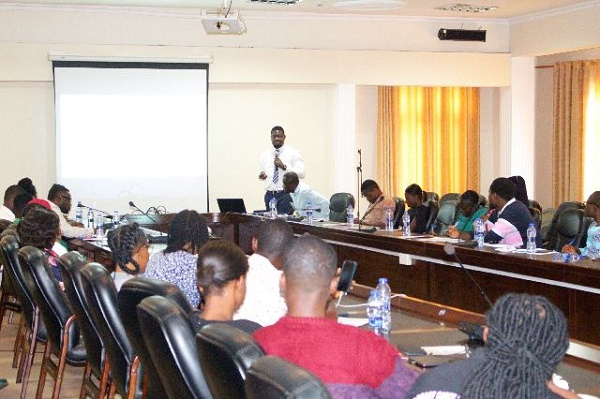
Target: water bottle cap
x,y
532,224
383,280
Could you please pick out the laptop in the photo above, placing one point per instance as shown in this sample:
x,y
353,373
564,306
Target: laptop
x,y
231,205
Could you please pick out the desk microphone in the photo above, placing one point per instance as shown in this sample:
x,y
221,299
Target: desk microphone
x,y
450,249
309,209
360,222
108,215
131,204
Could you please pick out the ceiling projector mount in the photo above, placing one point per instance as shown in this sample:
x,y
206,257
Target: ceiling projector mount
x,y
223,21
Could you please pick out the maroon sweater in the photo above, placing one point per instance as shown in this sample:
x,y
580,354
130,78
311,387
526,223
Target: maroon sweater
x,y
336,353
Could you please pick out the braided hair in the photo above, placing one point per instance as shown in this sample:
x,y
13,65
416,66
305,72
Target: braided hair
x,y
123,242
527,339
188,227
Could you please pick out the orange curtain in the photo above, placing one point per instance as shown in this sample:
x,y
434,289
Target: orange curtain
x,y
428,136
576,128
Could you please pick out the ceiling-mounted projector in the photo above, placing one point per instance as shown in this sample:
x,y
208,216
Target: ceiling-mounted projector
x,y
216,23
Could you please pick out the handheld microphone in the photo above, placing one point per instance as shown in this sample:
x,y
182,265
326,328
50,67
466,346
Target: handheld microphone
x,y
450,249
131,204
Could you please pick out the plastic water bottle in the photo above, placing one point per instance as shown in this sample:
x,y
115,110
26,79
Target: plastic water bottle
x,y
531,235
389,219
309,213
90,218
350,215
386,296
79,213
375,312
100,226
273,207
116,218
406,224
479,232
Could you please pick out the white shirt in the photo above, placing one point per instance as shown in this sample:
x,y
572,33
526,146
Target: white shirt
x,y
290,157
6,214
303,194
66,230
263,303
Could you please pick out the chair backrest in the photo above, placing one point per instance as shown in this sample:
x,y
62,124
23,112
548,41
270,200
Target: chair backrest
x,y
274,378
169,337
432,213
553,224
226,353
338,204
547,216
432,196
49,298
71,264
398,212
449,197
446,216
569,229
130,295
534,204
101,296
4,224
537,216
483,200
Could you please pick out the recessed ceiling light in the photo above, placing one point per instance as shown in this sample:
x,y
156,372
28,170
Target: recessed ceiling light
x,y
466,8
370,4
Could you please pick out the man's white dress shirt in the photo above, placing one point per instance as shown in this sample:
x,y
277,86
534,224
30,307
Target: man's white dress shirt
x,y
290,157
6,214
303,194
66,230
263,303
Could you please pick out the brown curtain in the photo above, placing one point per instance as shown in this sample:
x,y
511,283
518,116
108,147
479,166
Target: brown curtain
x,y
574,84
428,136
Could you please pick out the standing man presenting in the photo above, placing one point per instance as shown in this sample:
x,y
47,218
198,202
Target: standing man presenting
x,y
274,163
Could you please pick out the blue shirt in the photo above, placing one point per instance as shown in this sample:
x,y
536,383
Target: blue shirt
x,y
303,194
593,231
178,268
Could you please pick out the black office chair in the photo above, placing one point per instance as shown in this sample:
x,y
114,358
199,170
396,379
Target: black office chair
x,y
226,353
338,206
483,200
547,216
63,332
9,301
553,224
449,197
170,340
275,378
97,368
431,213
398,212
569,229
446,217
31,330
432,196
101,296
130,295
537,216
534,204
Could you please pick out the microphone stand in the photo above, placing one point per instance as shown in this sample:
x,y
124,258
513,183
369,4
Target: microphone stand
x,y
359,182
131,204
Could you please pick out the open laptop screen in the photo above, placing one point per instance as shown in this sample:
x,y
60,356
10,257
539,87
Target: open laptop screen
x,y
231,205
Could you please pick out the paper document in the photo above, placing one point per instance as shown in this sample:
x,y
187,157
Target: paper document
x,y
445,350
353,321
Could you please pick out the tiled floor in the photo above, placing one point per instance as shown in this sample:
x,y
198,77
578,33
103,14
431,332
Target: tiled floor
x,y
71,381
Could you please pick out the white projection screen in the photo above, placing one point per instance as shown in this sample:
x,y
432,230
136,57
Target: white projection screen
x,y
132,132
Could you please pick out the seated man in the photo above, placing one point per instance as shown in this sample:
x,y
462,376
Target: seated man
x,y
419,213
302,195
7,210
60,200
352,362
264,303
470,209
510,219
592,210
378,204
525,339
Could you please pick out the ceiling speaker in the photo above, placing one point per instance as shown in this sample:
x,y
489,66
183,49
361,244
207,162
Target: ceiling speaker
x,y
465,35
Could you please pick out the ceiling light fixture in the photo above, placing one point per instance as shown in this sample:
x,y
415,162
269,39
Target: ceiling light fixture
x,y
466,8
223,21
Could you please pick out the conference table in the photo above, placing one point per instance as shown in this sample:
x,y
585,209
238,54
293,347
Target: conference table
x,y
419,268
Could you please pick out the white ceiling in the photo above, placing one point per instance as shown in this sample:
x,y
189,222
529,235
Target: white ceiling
x,y
507,9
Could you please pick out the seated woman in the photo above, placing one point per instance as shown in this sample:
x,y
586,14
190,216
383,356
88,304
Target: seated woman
x,y
592,245
221,275
40,228
470,209
177,263
418,212
129,246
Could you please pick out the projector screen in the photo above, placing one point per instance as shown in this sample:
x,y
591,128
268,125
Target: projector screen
x,y
132,132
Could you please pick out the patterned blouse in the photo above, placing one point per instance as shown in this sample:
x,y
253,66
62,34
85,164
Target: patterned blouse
x,y
178,268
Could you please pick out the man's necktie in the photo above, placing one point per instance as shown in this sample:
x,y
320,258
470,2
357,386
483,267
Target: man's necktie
x,y
276,170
